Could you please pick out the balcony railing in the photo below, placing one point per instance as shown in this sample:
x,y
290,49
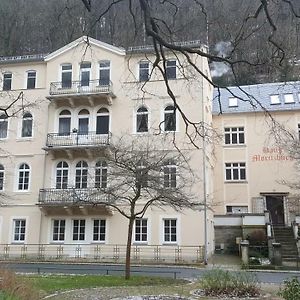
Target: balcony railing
x,y
75,139
71,196
79,87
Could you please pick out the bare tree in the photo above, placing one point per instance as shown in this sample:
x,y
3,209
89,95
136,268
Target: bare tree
x,y
142,173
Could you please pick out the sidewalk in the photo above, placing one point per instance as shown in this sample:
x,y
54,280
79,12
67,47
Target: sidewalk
x,y
224,261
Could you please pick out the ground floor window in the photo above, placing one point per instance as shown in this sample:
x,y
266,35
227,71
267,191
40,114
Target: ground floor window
x,y
19,230
78,230
59,227
234,209
99,230
170,230
141,230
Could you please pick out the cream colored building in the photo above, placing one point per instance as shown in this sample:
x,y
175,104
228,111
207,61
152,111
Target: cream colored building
x,y
73,103
252,159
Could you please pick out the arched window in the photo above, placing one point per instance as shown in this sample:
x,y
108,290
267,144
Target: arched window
x,y
142,119
64,123
62,175
170,118
1,178
83,121
3,126
81,177
27,125
23,177
101,175
102,126
170,170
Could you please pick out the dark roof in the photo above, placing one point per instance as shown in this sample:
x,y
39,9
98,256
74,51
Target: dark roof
x,y
22,58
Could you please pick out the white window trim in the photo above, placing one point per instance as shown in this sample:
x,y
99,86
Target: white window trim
x,y
85,231
92,230
85,69
178,229
135,120
162,119
17,178
236,102
52,231
61,71
273,97
138,70
110,69
176,68
7,133
96,114
2,81
230,132
289,98
239,170
12,227
26,79
148,233
20,126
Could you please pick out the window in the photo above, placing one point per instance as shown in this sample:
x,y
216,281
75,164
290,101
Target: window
x,y
289,98
141,230
78,230
143,71
99,230
7,79
171,69
64,123
81,175
31,79
1,178
142,174
102,126
234,135
66,76
19,230
23,178
62,174
101,175
59,227
83,122
236,209
232,102
104,72
85,73
142,119
3,126
275,99
299,130
27,125
235,171
170,230
170,118
170,170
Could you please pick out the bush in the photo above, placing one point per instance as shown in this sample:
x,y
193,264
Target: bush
x,y
290,290
13,288
221,283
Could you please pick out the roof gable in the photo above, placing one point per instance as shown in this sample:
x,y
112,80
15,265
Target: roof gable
x,y
87,40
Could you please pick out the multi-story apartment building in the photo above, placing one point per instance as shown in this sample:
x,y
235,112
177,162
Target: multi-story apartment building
x,y
73,103
253,162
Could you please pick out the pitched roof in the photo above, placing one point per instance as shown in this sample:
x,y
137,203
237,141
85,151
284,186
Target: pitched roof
x,y
255,98
88,41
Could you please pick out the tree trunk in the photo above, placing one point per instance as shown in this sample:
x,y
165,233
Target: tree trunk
x,y
128,248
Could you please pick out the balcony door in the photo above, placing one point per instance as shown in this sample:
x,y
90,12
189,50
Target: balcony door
x,y
102,126
85,75
83,126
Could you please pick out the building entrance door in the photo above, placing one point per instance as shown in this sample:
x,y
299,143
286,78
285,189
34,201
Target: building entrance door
x,y
276,209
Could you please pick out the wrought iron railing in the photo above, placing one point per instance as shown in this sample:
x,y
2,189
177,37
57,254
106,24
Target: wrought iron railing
x,y
102,252
71,196
77,139
80,87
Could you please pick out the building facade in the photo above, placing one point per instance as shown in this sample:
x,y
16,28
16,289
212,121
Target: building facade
x,y
72,105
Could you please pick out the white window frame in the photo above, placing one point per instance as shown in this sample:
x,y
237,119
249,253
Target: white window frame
x,y
103,114
19,172
3,80
103,69
79,227
234,130
62,169
64,117
175,67
100,168
167,172
58,233
235,166
141,233
139,70
81,70
4,120
275,99
102,241
27,78
82,170
21,126
137,113
176,119
66,71
289,98
164,241
233,102
19,241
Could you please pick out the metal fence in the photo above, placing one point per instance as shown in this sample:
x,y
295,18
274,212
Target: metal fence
x,y
77,139
79,87
102,253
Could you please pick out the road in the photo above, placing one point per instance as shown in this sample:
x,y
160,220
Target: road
x,y
166,271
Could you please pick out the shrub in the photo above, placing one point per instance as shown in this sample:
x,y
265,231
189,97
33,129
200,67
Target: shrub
x,y
14,288
290,290
221,283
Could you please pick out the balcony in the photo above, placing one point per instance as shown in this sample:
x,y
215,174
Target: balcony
x,y
73,201
91,90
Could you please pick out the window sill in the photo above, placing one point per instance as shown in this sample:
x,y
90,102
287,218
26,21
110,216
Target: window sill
x,y
57,242
236,181
170,243
98,242
144,243
24,139
234,145
18,242
25,192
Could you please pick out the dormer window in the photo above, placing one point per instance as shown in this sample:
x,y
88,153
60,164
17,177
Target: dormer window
x,y
289,98
275,99
232,102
